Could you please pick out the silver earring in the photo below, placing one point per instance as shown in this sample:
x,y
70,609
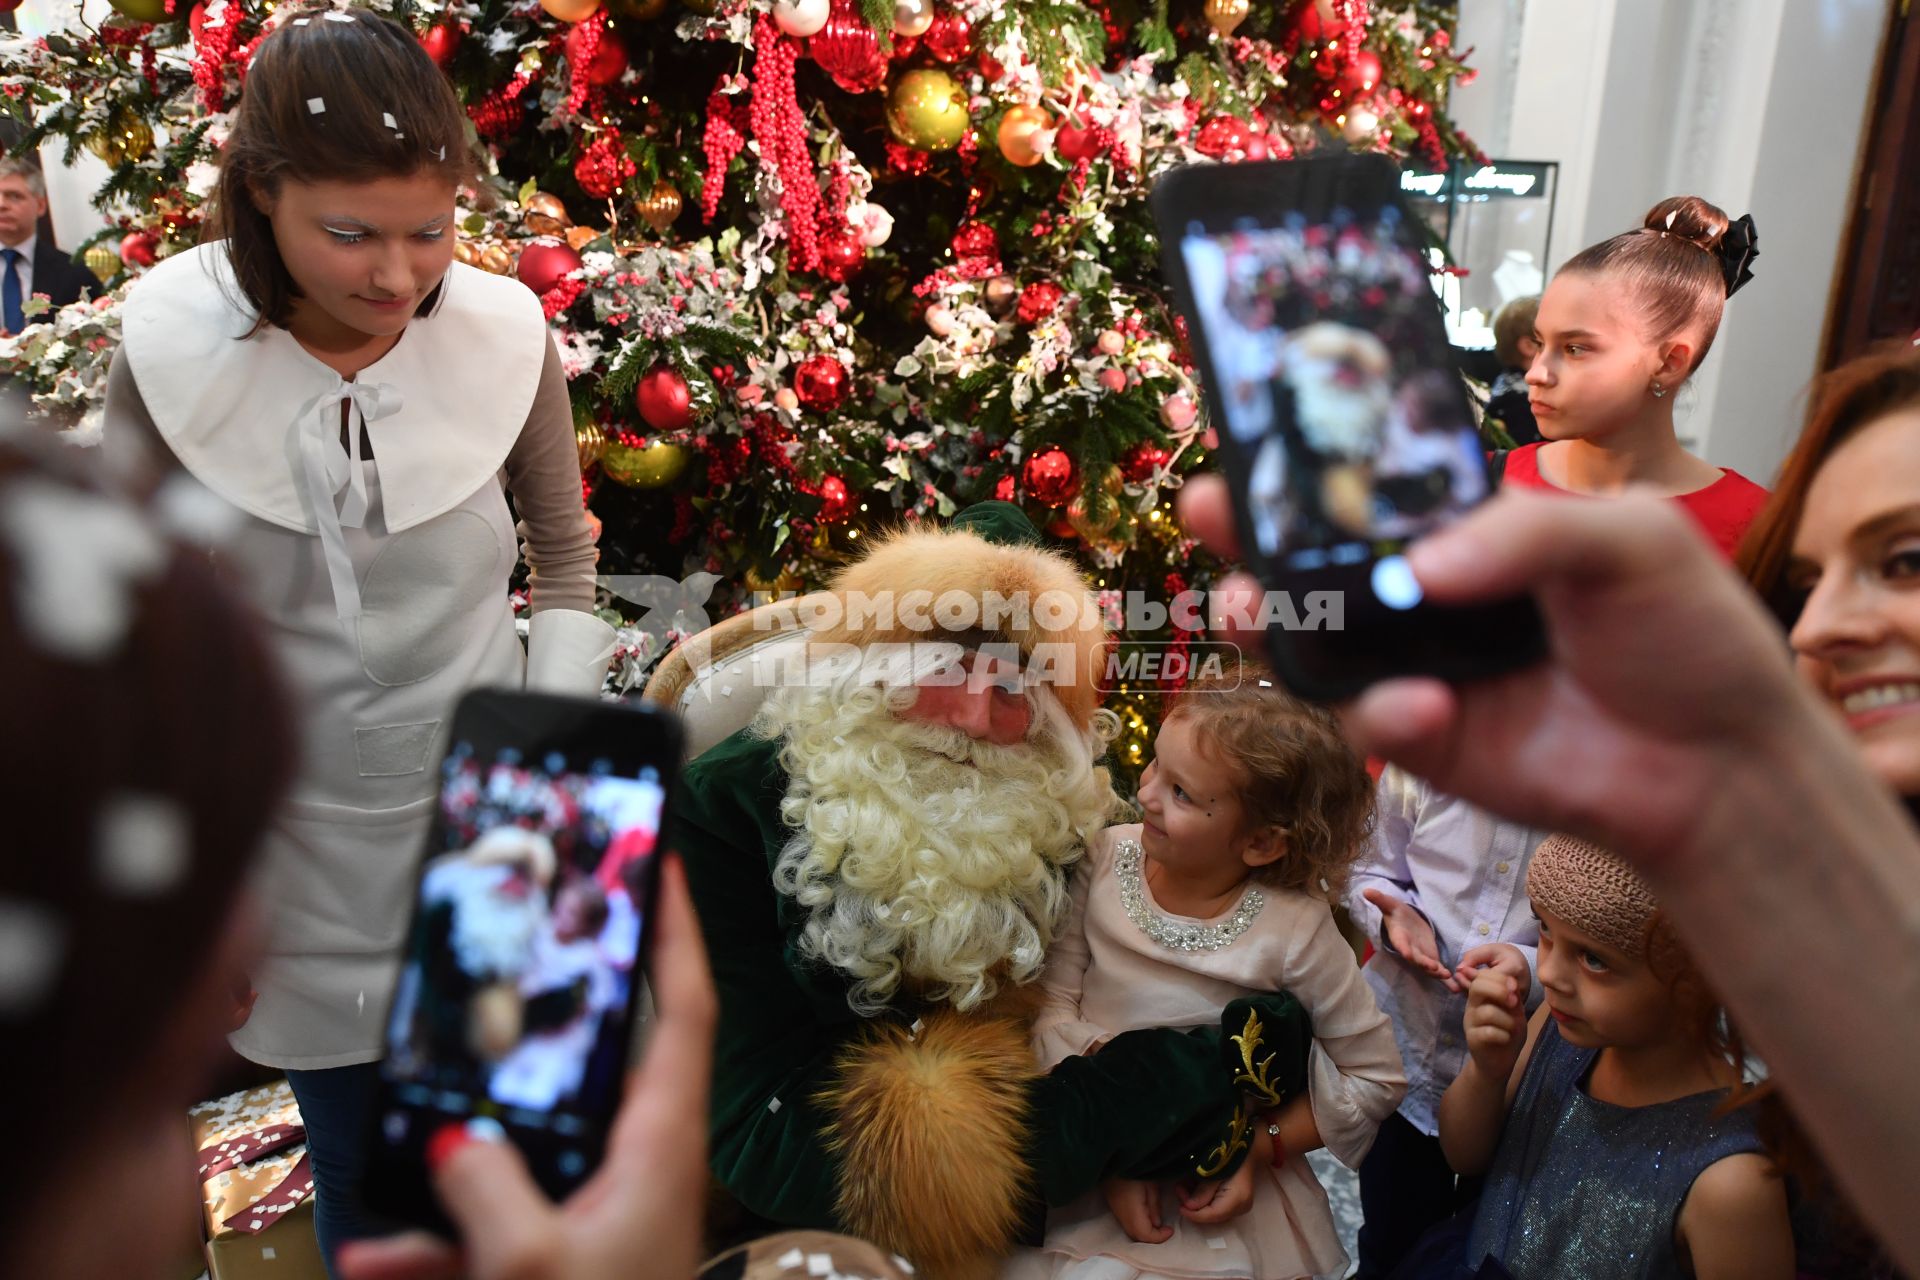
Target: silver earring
x,y
1659,392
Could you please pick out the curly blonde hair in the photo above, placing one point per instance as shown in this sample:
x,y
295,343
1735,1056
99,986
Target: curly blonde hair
x,y
1292,768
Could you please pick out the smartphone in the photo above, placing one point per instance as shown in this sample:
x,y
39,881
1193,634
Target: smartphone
x,y
1345,431
516,996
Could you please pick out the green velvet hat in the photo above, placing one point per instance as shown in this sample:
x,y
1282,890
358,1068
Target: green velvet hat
x,y
1000,523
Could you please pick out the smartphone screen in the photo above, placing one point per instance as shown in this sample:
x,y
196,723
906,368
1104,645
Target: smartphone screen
x,y
1344,426
516,993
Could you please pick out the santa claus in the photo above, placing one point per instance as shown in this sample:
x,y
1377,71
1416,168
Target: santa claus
x,y
880,862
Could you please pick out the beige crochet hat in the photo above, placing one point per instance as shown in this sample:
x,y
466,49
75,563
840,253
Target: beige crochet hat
x,y
1594,891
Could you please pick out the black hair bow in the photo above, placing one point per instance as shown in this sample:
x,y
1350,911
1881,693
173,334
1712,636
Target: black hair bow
x,y
1738,248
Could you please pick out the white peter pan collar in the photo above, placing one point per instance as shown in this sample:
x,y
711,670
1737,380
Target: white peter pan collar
x,y
257,420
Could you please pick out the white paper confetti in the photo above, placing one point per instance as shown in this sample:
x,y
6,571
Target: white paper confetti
x,y
773,1106
337,16
1216,1242
33,941
386,118
790,1259
819,1264
142,845
316,106
194,513
79,554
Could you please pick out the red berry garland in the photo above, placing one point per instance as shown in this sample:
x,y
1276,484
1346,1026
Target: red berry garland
x,y
780,127
213,47
725,137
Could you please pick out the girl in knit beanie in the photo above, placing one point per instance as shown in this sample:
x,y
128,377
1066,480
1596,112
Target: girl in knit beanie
x,y
1606,1124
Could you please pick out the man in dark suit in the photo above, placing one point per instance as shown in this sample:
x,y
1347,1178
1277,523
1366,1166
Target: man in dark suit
x,y
29,262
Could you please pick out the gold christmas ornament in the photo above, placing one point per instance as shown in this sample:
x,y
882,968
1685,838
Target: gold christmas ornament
x,y
570,10
590,440
498,259
927,109
466,251
126,137
1017,134
103,260
661,205
787,582
654,467
579,238
1225,16
545,214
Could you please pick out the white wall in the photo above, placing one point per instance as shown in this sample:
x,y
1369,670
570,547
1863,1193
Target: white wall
x,y
69,189
1758,105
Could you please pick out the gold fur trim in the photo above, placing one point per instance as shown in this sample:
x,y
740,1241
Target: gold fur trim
x,y
940,561
929,1124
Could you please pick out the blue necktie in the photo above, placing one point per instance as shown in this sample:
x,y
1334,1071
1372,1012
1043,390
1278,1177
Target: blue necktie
x,y
15,319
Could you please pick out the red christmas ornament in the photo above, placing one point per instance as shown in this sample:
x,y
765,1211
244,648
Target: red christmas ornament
x,y
136,249
441,41
545,262
1143,461
841,256
848,50
1220,136
1077,142
1039,300
835,501
606,61
603,167
1312,29
1362,74
1003,489
904,47
1051,476
950,38
664,401
821,383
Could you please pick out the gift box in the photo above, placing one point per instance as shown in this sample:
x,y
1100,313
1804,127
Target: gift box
x,y
256,1185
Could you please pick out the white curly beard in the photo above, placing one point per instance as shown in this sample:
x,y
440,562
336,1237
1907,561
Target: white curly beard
x,y
921,854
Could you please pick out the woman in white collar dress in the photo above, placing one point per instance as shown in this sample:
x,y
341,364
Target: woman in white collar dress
x,y
366,404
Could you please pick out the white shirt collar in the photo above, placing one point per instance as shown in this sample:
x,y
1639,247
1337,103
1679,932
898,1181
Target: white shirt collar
x,y
25,248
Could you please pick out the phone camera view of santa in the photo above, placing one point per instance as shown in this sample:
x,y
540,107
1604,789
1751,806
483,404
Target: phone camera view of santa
x,y
1318,334
520,965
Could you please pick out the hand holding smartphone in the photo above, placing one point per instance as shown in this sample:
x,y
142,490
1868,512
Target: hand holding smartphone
x,y
514,1009
1344,429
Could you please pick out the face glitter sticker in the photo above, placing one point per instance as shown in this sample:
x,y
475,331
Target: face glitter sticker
x,y
142,846
33,942
79,557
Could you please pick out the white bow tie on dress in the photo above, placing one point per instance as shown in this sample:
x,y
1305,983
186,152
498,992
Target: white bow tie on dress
x,y
327,468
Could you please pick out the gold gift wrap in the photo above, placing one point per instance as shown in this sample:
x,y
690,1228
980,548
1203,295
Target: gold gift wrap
x,y
256,1186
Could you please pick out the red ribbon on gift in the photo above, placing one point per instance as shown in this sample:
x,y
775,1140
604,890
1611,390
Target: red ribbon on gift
x,y
287,1194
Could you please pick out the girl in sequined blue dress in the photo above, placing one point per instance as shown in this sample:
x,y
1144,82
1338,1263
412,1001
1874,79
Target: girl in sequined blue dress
x,y
1609,1126
1252,804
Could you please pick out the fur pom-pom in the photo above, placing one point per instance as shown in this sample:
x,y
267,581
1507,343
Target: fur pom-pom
x,y
929,1124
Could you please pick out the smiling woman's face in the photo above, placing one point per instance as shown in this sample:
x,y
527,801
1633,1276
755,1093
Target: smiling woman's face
x,y
1856,555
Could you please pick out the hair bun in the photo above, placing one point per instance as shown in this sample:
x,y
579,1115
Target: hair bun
x,y
1690,218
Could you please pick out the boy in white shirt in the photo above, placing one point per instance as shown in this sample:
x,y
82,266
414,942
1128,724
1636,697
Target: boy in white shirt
x,y
1441,895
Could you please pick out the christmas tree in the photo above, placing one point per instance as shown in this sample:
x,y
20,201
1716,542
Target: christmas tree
x,y
816,267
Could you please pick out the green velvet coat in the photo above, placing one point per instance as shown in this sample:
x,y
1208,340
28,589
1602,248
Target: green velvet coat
x,y
1151,1104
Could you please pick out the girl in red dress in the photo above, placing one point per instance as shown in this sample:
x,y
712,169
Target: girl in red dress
x,y
1621,327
